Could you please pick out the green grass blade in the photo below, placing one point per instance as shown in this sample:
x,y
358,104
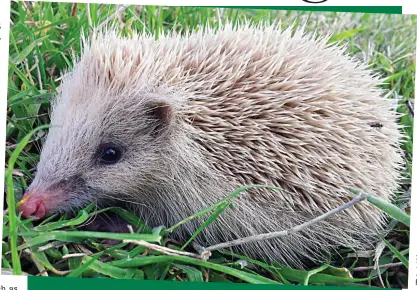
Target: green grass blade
x,y
82,217
28,49
314,271
193,275
210,220
83,267
211,208
387,207
247,277
11,203
112,271
74,236
397,253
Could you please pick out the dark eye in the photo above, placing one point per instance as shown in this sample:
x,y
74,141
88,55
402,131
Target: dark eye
x,y
110,154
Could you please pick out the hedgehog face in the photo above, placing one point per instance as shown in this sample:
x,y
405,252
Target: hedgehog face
x,y
104,153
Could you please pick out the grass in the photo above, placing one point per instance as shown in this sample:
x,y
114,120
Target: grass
x,y
45,37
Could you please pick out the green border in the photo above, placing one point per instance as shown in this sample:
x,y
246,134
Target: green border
x,y
360,9
65,283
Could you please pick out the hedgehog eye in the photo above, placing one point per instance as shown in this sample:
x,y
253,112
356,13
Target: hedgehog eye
x,y
110,154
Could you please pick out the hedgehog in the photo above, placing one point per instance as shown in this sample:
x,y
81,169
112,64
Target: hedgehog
x,y
168,126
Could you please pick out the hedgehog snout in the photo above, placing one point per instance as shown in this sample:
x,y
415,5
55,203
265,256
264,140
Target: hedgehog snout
x,y
37,203
33,207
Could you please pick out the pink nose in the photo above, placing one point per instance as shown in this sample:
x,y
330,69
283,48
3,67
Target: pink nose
x,y
33,208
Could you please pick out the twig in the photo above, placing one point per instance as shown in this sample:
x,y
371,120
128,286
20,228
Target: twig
x,y
28,70
75,255
390,265
13,146
74,9
90,22
51,245
380,276
16,172
30,117
164,250
378,252
219,15
83,250
114,15
38,71
273,235
361,254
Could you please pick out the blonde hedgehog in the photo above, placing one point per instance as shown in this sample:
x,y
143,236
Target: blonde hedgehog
x,y
168,127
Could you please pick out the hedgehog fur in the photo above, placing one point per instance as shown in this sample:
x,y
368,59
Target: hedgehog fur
x,y
198,115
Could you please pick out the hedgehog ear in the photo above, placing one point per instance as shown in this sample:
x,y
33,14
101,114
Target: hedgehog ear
x,y
162,116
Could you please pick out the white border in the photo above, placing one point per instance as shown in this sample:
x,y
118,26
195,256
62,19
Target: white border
x,y
14,282
412,267
6,281
409,7
4,56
